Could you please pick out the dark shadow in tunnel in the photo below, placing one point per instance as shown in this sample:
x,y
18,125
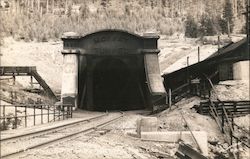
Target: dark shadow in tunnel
x,y
116,86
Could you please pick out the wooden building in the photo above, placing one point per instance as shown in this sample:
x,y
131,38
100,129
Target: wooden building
x,y
217,67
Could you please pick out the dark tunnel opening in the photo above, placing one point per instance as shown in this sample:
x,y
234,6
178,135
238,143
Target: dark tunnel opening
x,y
116,86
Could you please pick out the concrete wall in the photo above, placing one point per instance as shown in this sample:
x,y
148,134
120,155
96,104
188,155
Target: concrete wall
x,y
241,70
70,78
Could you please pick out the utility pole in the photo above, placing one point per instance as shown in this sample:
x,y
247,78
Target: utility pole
x,y
218,44
198,54
248,25
247,14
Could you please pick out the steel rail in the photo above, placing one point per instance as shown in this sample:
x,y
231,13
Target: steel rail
x,y
87,130
53,128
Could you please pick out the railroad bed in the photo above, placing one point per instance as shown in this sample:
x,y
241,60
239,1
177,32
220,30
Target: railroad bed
x,y
15,143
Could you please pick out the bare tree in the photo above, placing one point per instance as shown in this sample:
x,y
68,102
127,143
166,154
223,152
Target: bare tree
x,y
236,7
53,6
47,6
38,6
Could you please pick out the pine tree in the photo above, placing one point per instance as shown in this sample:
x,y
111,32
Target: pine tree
x,y
227,18
191,28
69,10
207,27
104,3
84,11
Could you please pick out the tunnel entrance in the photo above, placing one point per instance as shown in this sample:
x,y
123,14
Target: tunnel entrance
x,y
116,86
111,70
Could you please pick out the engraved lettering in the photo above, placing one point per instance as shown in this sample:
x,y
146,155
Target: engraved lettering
x,y
109,39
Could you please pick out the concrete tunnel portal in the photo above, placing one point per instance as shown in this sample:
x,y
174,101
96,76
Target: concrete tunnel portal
x,y
111,70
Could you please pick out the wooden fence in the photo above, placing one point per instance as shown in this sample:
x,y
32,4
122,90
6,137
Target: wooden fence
x,y
233,108
32,114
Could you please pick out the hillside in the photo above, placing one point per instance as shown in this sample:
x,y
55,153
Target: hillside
x,y
42,20
45,56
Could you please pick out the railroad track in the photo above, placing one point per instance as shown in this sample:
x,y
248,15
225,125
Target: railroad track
x,y
15,145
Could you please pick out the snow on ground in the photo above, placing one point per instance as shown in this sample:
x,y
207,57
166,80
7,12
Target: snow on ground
x,y
175,50
232,90
171,120
243,122
174,53
45,56
116,143
113,143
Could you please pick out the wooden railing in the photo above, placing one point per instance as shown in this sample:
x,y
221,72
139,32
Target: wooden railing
x,y
233,108
221,111
29,114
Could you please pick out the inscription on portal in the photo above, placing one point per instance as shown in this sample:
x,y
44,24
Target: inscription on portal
x,y
112,51
110,39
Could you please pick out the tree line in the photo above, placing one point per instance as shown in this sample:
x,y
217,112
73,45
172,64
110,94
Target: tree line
x,y
42,20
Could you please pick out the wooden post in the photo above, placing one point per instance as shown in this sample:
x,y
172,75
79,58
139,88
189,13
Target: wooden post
x,y
238,153
218,44
235,107
231,133
63,112
169,98
54,114
41,114
11,96
201,108
31,81
198,54
14,80
188,78
48,113
15,116
59,113
25,115
34,115
71,111
4,123
222,122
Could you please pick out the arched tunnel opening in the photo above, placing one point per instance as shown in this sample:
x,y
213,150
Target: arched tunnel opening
x,y
117,86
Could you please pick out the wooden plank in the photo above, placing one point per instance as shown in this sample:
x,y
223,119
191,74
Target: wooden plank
x,y
189,152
